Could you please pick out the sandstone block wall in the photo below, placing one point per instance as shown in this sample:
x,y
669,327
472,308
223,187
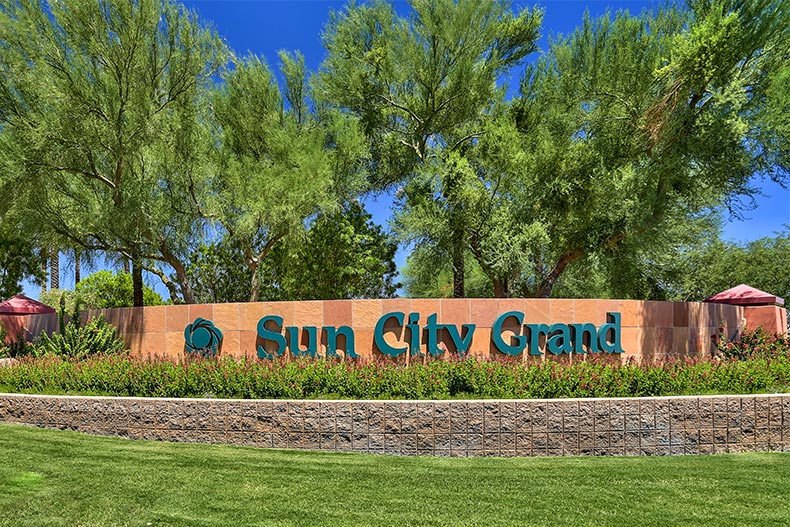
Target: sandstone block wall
x,y
637,426
650,330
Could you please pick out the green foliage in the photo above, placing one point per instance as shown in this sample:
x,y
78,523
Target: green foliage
x,y
67,297
410,81
218,272
340,255
422,86
423,279
105,289
715,265
468,378
76,341
625,133
100,290
18,261
280,163
100,122
96,337
752,344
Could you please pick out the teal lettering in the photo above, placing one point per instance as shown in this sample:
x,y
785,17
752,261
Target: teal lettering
x,y
585,334
433,334
312,341
461,345
271,336
378,335
414,334
559,339
499,342
535,330
331,341
613,326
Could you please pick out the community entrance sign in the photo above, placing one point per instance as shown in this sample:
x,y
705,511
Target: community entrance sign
x,y
396,334
399,329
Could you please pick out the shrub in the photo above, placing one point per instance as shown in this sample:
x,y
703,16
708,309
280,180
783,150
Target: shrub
x,y
466,378
59,297
751,344
96,337
16,347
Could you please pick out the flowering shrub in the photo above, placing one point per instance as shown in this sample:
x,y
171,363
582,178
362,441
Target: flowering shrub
x,y
441,379
754,344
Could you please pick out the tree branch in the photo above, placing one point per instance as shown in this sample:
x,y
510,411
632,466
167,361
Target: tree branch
x,y
89,175
400,107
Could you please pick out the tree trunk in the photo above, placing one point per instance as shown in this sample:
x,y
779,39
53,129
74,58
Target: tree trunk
x,y
126,266
183,283
500,288
458,271
254,263
44,270
255,283
171,287
544,290
137,278
181,275
77,267
547,284
54,269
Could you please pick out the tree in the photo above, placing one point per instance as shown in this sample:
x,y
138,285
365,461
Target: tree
x,y
422,86
717,265
100,290
218,272
281,161
339,255
105,289
103,96
422,278
18,261
625,129
342,255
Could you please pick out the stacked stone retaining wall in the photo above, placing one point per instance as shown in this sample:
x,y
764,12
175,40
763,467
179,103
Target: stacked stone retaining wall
x,y
635,426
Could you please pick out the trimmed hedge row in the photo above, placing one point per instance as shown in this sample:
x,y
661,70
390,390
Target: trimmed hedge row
x,y
440,379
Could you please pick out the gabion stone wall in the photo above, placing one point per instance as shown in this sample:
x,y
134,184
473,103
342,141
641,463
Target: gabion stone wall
x,y
643,426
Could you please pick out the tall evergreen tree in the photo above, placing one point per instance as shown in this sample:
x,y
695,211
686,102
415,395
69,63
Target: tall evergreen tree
x,y
340,255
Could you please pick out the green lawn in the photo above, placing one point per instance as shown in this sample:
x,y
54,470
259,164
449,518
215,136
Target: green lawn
x,y
66,478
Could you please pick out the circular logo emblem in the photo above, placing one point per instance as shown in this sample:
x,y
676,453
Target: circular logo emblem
x,y
202,338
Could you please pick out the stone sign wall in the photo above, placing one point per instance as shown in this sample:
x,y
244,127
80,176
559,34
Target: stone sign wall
x,y
645,330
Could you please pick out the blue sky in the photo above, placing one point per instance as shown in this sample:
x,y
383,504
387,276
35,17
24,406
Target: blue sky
x,y
264,27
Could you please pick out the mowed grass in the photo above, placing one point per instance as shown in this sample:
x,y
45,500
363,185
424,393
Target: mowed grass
x,y
66,478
